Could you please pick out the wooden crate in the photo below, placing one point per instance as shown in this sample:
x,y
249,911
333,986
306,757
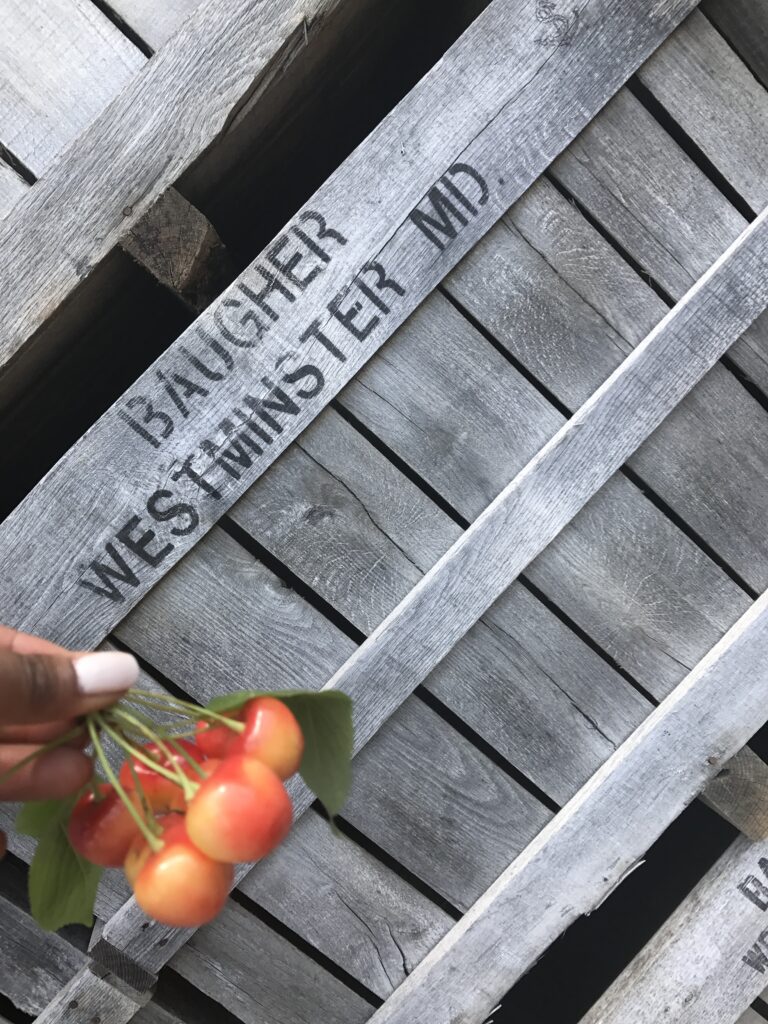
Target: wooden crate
x,y
479,438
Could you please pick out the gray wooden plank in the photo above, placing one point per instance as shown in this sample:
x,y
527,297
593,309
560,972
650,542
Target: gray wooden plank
x,y
718,102
739,794
535,506
707,962
710,467
261,978
87,997
750,1017
661,209
600,570
61,63
34,964
482,135
184,627
348,523
12,187
155,23
127,156
744,24
598,837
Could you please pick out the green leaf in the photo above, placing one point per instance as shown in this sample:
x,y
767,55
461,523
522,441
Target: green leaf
x,y
62,885
325,718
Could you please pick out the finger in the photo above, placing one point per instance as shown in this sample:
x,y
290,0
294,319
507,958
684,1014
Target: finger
x,y
25,643
52,775
39,733
41,688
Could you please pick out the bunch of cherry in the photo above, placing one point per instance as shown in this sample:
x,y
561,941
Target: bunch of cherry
x,y
181,812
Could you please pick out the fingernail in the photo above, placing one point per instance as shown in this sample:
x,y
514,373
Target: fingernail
x,y
107,672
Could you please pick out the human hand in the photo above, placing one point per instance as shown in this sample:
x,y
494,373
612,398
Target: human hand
x,y
43,691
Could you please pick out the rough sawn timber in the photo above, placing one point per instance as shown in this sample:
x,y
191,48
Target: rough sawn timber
x,y
398,163
598,837
535,507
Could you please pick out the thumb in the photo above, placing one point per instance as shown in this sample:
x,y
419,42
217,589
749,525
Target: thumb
x,y
49,687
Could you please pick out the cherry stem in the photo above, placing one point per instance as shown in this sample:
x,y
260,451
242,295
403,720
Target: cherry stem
x,y
149,698
145,804
134,751
51,745
188,788
195,765
92,720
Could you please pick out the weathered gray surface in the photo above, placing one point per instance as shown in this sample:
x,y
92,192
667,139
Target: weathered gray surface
x,y
485,131
568,308
744,24
697,76
34,964
136,149
664,211
539,501
11,188
61,63
740,794
154,22
428,797
750,1017
261,977
693,971
602,832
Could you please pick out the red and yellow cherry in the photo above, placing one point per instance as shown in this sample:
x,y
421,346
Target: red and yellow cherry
x,y
179,885
101,828
272,735
216,740
240,813
162,793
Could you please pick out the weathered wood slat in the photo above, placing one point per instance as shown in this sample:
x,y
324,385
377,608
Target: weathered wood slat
x,y
707,963
129,155
593,308
427,798
87,997
750,1017
671,219
597,838
695,74
12,187
481,136
155,23
744,23
538,503
61,63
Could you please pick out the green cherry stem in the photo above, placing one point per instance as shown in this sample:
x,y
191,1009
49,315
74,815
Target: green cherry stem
x,y
188,788
92,721
148,698
134,751
193,764
51,745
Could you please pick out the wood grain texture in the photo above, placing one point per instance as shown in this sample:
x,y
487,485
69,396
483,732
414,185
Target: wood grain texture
x,y
656,624
34,964
744,24
181,249
709,467
719,103
139,146
154,22
662,209
121,463
740,794
282,643
707,962
751,1017
12,187
261,978
61,63
86,997
598,837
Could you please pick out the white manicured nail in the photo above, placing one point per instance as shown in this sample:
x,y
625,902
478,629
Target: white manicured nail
x,y
107,672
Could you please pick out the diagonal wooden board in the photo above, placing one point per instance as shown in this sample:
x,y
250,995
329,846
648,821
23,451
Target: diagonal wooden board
x,y
155,472
599,835
709,960
527,515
